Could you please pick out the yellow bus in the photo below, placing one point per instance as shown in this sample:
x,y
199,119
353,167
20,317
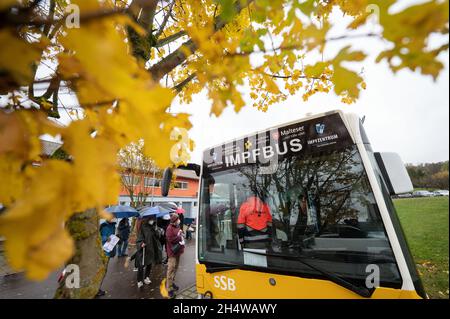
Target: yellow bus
x,y
302,210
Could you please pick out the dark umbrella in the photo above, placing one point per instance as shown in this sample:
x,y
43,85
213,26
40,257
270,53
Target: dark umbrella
x,y
122,211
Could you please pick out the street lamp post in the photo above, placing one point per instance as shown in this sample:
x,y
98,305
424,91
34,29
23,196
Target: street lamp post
x,y
153,185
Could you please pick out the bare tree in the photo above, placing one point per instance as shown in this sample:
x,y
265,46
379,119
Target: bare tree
x,y
139,175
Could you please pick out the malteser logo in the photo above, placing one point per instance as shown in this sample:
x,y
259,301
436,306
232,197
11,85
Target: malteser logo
x,y
291,131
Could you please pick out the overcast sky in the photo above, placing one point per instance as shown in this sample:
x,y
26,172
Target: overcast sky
x,y
405,112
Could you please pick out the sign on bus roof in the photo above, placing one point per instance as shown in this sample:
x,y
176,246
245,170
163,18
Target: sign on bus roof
x,y
267,148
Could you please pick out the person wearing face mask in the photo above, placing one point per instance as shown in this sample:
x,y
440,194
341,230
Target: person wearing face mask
x,y
175,248
149,250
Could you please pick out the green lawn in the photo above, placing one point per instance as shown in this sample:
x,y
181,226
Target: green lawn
x,y
425,222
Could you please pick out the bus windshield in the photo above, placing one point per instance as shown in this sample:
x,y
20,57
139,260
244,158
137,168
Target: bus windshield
x,y
317,205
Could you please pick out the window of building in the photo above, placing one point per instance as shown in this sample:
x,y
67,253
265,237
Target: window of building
x,y
181,185
128,179
152,182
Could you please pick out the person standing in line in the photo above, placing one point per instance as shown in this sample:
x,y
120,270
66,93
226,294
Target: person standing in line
x,y
107,228
175,248
123,232
149,250
189,231
180,212
163,223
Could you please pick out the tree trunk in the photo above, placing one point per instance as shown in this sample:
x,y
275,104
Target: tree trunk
x,y
89,256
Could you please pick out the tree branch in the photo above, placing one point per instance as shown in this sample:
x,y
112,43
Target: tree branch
x,y
12,20
170,39
51,12
180,55
54,86
165,20
288,76
300,45
172,60
147,15
177,88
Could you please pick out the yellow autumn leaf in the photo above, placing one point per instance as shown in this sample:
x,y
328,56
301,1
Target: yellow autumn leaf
x,y
346,55
364,85
237,100
48,199
7,4
61,246
346,81
91,155
17,59
315,70
271,86
409,32
218,105
20,131
12,177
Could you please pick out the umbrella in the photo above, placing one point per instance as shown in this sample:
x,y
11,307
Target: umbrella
x,y
170,206
180,211
157,211
122,211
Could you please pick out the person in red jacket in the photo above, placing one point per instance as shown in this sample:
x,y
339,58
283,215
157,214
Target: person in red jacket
x,y
175,248
254,223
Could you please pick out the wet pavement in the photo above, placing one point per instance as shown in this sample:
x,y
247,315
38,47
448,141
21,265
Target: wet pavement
x,y
119,283
188,293
4,268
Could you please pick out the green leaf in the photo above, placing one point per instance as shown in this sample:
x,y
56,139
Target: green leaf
x,y
346,55
346,81
228,9
315,70
307,7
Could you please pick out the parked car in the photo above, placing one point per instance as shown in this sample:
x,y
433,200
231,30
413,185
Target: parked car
x,y
406,195
441,193
423,194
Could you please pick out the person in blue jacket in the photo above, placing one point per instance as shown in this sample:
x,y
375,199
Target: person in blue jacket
x,y
107,228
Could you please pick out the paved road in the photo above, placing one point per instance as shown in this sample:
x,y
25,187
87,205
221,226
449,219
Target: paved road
x,y
119,283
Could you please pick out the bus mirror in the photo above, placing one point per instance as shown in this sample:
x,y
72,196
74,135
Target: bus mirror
x,y
394,173
165,183
191,167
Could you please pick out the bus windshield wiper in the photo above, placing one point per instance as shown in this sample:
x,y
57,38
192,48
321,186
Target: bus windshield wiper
x,y
362,291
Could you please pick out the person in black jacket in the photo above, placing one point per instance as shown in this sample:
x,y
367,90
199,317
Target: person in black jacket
x,y
149,250
162,223
123,232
